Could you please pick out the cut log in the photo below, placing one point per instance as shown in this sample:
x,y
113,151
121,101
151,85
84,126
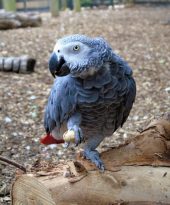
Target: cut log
x,y
23,64
11,20
137,173
130,185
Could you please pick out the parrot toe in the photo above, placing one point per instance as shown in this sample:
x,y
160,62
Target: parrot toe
x,y
93,156
66,144
78,135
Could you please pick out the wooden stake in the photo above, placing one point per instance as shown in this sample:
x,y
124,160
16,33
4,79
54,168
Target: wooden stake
x,y
63,4
77,5
9,5
54,8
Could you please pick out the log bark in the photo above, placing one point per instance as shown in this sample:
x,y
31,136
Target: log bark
x,y
137,172
23,64
12,20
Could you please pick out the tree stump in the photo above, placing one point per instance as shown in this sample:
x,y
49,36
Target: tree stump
x,y
137,173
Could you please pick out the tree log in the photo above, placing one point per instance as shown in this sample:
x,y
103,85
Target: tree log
x,y
137,173
11,20
23,64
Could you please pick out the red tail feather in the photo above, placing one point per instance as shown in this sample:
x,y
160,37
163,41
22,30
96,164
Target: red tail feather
x,y
49,139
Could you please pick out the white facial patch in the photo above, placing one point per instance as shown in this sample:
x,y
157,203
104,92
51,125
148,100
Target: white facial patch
x,y
57,47
75,58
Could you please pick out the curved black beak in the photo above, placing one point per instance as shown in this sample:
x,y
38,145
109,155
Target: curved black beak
x,y
58,67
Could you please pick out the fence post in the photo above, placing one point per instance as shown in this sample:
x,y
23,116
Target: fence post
x,y
111,2
63,4
54,7
0,4
9,5
77,6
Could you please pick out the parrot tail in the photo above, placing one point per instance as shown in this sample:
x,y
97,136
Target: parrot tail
x,y
49,139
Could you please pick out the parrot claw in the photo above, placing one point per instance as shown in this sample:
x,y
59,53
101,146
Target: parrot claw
x,y
66,145
93,155
78,135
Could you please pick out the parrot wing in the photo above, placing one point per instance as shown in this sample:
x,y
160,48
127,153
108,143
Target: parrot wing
x,y
61,103
126,89
128,100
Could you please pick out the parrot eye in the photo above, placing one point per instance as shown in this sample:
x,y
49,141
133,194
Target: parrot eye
x,y
76,48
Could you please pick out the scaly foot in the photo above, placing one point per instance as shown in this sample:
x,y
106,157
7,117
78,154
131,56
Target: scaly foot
x,y
93,155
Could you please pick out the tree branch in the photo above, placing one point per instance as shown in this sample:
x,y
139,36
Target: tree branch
x,y
11,162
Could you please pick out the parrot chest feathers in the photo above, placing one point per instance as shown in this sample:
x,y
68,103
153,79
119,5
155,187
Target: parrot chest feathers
x,y
98,119
99,102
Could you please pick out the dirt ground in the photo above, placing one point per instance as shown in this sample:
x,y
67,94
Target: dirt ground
x,y
141,35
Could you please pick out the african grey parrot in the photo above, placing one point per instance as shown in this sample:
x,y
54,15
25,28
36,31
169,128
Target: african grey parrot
x,y
92,95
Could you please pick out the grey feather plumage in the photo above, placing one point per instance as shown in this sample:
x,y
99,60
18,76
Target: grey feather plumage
x,y
103,99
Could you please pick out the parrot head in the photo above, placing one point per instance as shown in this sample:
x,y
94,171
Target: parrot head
x,y
79,55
